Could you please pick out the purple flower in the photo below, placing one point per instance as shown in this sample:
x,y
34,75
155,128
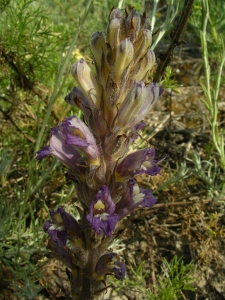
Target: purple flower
x,y
79,135
101,215
62,225
132,198
150,164
109,263
138,162
65,141
58,148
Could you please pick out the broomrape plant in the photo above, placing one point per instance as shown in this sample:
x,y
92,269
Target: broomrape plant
x,y
114,100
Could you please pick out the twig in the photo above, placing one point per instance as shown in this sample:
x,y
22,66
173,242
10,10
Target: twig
x,y
176,35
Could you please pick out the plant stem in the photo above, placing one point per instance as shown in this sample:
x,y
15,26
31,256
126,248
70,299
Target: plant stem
x,y
175,40
212,96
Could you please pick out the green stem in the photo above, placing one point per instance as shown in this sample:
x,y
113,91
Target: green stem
x,y
153,13
212,97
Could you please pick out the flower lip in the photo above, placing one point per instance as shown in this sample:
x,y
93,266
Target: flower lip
x,y
42,153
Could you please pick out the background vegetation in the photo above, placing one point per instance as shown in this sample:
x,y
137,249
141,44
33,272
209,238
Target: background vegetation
x,y
39,41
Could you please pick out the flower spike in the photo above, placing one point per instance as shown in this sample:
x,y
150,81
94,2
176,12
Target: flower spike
x,y
114,95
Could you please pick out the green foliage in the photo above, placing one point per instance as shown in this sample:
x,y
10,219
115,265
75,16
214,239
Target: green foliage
x,y
208,171
27,45
162,19
208,19
168,79
175,278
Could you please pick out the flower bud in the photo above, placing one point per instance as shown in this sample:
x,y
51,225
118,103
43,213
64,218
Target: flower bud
x,y
153,92
115,14
86,79
131,104
132,24
98,47
124,57
146,64
143,43
113,33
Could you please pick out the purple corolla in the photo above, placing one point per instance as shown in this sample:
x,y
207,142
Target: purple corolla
x,y
101,215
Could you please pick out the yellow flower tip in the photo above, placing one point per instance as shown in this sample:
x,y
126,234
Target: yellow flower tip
x,y
113,33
